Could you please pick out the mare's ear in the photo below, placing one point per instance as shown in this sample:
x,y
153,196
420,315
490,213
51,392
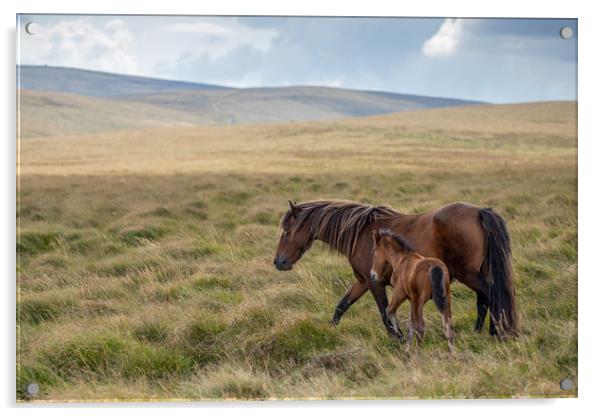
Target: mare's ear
x,y
376,235
293,207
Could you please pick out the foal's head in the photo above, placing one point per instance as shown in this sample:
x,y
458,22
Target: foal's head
x,y
387,249
294,240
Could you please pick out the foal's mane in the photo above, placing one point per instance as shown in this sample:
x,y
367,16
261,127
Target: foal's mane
x,y
398,239
338,223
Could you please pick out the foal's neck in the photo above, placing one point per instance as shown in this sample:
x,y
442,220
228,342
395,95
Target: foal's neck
x,y
395,257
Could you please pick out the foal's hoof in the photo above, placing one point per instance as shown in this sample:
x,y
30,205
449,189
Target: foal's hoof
x,y
335,321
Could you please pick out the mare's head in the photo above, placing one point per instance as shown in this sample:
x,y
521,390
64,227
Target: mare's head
x,y
387,246
294,240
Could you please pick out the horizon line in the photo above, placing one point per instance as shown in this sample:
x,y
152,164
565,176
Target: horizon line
x,y
252,88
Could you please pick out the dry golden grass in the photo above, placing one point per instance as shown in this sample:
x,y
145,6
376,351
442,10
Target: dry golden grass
x,y
145,258
410,139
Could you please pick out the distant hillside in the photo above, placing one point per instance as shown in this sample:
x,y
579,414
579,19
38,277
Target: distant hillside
x,y
59,101
535,120
44,114
97,84
284,104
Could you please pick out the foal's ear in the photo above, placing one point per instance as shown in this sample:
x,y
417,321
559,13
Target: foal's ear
x,y
376,235
294,208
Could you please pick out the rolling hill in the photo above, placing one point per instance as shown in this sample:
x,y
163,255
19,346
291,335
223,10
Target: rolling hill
x,y
43,114
96,83
63,101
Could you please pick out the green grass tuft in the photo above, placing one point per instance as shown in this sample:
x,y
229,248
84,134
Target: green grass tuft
x,y
35,311
35,242
296,343
88,356
155,362
204,339
212,282
133,236
151,331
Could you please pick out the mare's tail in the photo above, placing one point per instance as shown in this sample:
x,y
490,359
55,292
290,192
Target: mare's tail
x,y
497,271
438,284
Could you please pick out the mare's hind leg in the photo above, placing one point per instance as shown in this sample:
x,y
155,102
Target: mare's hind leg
x,y
476,282
482,306
357,289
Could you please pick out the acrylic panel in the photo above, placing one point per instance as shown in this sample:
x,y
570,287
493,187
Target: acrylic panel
x,y
257,208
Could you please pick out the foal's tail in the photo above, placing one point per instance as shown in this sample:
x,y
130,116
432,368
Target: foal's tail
x,y
497,271
438,284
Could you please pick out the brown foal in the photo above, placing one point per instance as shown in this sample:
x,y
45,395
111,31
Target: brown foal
x,y
414,277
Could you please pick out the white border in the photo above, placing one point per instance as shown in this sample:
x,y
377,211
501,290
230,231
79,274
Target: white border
x,y
590,137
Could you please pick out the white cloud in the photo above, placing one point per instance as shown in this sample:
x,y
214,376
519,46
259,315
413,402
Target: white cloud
x,y
446,41
217,40
81,44
204,28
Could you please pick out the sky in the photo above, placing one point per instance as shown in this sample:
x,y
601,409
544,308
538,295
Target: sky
x,y
492,60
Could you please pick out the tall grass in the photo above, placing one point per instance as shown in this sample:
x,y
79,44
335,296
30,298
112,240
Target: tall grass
x,y
161,286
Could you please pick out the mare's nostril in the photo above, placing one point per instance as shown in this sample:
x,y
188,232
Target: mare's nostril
x,y
279,262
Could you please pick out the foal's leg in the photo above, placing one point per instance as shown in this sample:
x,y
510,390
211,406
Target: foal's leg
x,y
413,318
357,289
420,318
447,323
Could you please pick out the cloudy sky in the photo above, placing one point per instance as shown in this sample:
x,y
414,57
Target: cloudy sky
x,y
494,60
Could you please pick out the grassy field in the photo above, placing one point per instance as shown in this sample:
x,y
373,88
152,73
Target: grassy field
x,y
145,258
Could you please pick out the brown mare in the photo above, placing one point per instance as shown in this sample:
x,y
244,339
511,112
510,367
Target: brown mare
x,y
414,277
473,242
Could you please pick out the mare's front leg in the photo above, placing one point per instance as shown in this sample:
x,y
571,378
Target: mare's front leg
x,y
357,289
398,298
377,288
